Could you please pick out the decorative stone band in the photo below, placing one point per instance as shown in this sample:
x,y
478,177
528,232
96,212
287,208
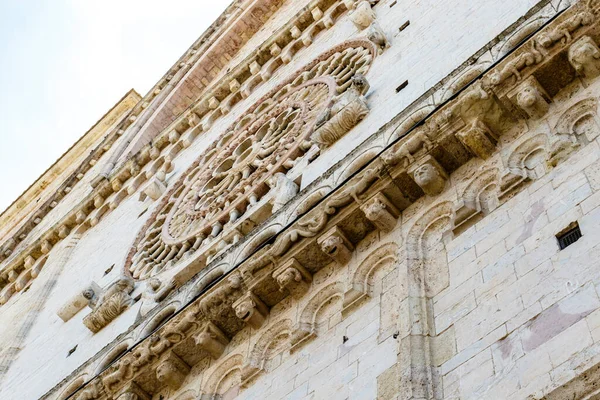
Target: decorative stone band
x,y
145,169
417,165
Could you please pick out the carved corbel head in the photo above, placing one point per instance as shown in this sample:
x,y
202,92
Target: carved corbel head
x,y
381,212
429,175
212,340
292,276
251,309
584,56
335,244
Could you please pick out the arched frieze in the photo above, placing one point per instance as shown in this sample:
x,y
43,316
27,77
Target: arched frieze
x,y
479,197
210,205
520,35
73,386
113,355
463,79
205,280
225,379
410,122
357,163
314,314
580,121
528,157
273,341
190,394
159,317
361,284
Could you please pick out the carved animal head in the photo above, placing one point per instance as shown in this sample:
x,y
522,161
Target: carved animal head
x,y
360,83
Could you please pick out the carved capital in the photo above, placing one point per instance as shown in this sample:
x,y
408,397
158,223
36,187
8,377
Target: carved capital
x,y
172,370
479,139
584,56
429,175
335,244
381,212
251,309
292,276
212,340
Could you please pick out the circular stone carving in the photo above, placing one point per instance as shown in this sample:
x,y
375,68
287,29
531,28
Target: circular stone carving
x,y
237,175
218,190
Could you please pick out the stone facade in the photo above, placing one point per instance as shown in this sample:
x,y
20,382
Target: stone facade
x,y
327,199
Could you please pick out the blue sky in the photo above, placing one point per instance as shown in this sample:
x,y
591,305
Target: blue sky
x,y
64,63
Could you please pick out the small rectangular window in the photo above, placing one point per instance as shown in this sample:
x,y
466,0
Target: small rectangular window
x,y
569,235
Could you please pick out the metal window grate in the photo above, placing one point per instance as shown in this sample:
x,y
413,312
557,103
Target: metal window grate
x,y
569,237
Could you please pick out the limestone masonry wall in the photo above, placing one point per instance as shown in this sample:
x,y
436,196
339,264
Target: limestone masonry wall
x,y
331,199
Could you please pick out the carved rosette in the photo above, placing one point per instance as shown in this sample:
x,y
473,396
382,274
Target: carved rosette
x,y
213,197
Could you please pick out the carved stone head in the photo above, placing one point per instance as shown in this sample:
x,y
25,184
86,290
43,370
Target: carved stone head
x,y
360,83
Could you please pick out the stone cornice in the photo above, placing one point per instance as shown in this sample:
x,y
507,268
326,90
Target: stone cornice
x,y
139,167
519,88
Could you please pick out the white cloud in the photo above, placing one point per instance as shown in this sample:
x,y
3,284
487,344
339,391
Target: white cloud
x,y
64,63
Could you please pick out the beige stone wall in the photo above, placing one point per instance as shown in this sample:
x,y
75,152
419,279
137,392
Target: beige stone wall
x,y
511,315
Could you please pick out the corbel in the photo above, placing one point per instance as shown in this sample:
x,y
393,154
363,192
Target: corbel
x,y
172,370
530,97
292,276
336,245
212,340
133,391
479,139
584,56
251,309
429,175
363,15
381,212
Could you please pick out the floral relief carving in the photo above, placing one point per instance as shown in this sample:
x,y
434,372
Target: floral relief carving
x,y
108,305
255,152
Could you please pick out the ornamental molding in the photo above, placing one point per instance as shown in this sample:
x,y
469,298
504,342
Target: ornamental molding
x,y
414,166
145,169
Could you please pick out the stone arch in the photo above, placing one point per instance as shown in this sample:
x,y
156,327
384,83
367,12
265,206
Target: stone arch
x,y
272,342
190,394
114,354
159,318
307,325
514,39
481,193
309,201
360,284
262,237
207,278
225,380
464,79
72,387
432,221
311,312
426,275
359,161
580,121
528,158
409,122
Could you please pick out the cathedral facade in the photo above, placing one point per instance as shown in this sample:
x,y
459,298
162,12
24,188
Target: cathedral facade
x,y
326,199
